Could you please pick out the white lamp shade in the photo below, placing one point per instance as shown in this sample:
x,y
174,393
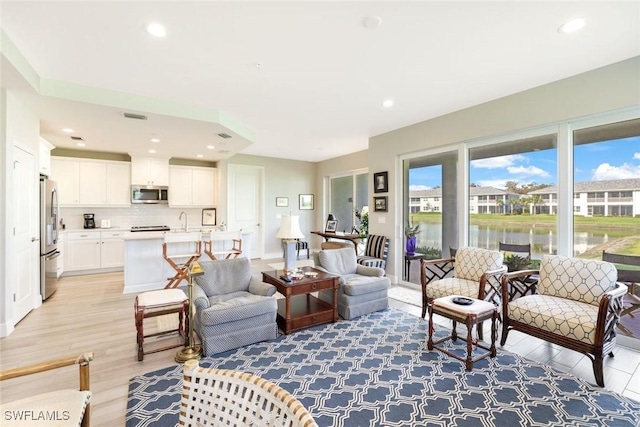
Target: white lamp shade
x,y
290,228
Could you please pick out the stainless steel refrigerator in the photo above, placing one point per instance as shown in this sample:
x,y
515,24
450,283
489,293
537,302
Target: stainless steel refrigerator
x,y
48,237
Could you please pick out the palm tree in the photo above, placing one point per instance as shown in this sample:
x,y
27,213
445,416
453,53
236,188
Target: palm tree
x,y
513,202
536,200
500,204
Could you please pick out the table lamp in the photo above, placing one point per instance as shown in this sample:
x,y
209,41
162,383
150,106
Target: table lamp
x,y
290,231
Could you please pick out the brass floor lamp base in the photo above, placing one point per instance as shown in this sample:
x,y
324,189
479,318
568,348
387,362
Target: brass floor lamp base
x,y
189,353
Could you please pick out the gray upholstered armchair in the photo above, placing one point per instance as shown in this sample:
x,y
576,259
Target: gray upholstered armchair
x,y
362,289
233,309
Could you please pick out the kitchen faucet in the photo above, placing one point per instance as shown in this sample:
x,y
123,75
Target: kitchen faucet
x,y
186,220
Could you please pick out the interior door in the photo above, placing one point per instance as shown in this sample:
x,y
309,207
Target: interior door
x,y
245,199
26,287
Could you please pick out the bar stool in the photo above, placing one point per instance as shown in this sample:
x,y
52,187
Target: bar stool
x,y
159,303
215,245
187,249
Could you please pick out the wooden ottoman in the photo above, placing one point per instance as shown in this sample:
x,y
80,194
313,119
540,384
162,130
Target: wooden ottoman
x,y
470,311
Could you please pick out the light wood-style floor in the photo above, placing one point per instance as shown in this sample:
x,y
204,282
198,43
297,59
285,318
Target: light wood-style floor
x,y
90,313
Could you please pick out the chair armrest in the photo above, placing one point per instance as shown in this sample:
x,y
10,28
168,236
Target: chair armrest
x,y
200,299
609,310
258,287
491,286
518,284
82,360
435,269
369,271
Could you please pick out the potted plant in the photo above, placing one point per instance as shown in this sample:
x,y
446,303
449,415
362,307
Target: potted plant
x,y
363,217
411,232
516,262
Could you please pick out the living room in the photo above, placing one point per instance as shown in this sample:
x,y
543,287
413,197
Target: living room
x,y
603,93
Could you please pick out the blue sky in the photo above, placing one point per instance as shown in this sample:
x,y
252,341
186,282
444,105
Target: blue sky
x,y
616,159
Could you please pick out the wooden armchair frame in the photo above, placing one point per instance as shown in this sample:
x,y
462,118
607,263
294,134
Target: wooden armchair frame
x,y
83,365
521,283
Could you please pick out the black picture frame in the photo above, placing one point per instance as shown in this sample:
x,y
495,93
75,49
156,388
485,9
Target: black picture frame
x,y
380,204
381,182
282,202
306,202
332,226
209,216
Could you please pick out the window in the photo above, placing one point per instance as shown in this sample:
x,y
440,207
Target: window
x,y
344,190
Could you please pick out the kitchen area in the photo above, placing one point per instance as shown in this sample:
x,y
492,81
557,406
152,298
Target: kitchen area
x,y
113,215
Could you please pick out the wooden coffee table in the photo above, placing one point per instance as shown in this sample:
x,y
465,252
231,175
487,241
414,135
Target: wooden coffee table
x,y
299,309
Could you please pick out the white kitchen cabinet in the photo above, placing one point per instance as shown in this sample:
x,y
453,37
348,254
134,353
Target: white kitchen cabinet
x,y
192,186
44,157
149,171
65,171
94,250
89,182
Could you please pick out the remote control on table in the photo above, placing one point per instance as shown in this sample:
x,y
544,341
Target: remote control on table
x,y
286,279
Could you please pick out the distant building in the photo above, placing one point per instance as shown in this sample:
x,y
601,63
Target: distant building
x,y
481,200
618,197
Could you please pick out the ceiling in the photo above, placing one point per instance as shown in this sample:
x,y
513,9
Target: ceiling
x,y
298,80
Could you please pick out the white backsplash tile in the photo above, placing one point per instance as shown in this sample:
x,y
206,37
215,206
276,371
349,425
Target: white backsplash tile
x,y
135,215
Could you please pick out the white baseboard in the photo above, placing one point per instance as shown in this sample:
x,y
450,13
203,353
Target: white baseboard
x,y
6,329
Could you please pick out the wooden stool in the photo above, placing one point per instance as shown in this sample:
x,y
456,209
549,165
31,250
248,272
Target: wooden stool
x,y
160,303
471,315
217,245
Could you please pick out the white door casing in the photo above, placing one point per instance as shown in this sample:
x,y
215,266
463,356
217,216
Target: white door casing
x,y
26,235
245,201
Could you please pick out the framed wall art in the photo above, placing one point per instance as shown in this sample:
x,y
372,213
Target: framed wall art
x,y
282,202
380,204
209,216
381,182
306,202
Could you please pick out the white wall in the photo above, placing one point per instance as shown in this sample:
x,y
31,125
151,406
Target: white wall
x,y
606,89
20,127
283,178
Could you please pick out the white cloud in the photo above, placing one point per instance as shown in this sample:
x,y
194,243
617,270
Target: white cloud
x,y
419,187
605,171
528,171
497,183
498,162
636,156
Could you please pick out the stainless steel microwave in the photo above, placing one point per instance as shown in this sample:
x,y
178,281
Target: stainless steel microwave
x,y
149,194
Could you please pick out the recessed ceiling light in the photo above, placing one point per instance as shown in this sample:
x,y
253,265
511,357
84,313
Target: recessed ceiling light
x,y
211,147
199,156
67,130
81,144
371,22
152,151
154,140
572,25
156,29
387,103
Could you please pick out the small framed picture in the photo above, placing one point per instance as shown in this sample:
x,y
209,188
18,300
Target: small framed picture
x,y
380,204
282,202
306,202
332,226
381,182
209,216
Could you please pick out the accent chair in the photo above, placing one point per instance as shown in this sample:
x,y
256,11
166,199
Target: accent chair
x,y
361,290
473,272
376,252
575,303
233,309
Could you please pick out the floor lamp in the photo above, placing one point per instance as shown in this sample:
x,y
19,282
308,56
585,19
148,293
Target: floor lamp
x,y
192,351
290,231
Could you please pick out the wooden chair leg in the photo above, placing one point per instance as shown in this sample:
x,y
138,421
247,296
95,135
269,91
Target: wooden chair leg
x,y
598,371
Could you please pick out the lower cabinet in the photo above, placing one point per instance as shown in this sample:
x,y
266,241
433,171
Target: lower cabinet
x,y
93,250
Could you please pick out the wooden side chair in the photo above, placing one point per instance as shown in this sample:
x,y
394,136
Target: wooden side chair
x,y
180,250
72,405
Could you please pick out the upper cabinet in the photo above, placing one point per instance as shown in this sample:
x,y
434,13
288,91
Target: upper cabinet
x,y
88,182
192,186
149,171
44,158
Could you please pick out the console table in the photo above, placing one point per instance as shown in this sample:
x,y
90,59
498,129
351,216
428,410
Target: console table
x,y
353,238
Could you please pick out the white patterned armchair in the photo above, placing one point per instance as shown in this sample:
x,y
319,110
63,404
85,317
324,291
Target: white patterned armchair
x,y
473,272
571,302
233,309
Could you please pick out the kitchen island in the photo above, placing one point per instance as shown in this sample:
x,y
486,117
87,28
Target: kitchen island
x,y
144,267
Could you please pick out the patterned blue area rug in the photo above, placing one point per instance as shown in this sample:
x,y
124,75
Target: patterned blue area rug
x,y
376,371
